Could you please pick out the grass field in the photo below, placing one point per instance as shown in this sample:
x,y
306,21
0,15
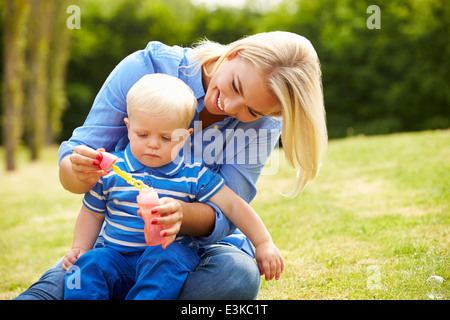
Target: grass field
x,y
375,224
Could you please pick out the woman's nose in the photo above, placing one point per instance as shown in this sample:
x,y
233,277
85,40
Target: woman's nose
x,y
233,106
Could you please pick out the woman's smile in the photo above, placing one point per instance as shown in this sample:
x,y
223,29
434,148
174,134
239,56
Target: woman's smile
x,y
225,92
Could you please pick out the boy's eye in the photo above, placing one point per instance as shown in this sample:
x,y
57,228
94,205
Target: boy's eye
x,y
166,138
143,135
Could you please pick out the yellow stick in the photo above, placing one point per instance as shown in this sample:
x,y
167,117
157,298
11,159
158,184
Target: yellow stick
x,y
129,179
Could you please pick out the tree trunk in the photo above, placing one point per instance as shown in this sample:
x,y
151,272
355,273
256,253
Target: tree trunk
x,y
58,57
14,71
40,27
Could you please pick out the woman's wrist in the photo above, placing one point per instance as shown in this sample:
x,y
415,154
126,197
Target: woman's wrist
x,y
68,179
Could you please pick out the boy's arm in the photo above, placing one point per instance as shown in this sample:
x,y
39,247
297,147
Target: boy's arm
x,y
247,220
87,228
242,215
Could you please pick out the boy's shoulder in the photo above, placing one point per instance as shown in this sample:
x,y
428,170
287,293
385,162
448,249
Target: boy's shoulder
x,y
192,168
191,163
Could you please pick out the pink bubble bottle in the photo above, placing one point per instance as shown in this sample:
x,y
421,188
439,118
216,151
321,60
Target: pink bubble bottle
x,y
147,200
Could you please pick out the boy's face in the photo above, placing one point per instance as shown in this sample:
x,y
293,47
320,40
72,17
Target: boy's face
x,y
155,141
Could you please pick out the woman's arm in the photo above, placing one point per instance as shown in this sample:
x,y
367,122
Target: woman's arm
x,y
191,218
198,219
104,127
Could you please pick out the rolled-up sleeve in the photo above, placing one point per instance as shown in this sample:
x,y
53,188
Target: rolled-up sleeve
x,y
241,169
104,127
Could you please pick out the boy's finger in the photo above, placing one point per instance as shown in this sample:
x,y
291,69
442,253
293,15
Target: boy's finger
x,y
267,270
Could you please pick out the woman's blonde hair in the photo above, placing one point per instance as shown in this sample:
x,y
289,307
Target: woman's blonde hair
x,y
290,67
162,95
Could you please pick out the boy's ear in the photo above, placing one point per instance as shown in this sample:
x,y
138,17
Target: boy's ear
x,y
180,135
127,122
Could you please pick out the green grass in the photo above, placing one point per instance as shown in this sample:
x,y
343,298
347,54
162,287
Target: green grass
x,y
375,223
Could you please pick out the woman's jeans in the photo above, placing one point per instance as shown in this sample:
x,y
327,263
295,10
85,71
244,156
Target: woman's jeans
x,y
223,273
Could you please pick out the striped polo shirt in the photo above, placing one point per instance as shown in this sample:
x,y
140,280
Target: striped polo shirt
x,y
114,197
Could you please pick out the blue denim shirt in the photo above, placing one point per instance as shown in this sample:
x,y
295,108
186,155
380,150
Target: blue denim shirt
x,y
236,150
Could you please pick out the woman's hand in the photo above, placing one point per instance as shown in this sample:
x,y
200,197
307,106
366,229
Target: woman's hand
x,y
85,164
72,256
171,217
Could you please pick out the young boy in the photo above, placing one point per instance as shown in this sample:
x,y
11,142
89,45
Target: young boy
x,y
159,108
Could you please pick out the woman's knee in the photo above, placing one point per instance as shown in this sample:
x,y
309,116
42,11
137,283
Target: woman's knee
x,y
224,273
244,274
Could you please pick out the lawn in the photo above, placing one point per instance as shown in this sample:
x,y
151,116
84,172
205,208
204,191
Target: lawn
x,y
375,223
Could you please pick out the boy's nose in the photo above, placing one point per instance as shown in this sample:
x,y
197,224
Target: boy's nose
x,y
153,143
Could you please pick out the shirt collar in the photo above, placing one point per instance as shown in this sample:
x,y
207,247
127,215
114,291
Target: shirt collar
x,y
132,164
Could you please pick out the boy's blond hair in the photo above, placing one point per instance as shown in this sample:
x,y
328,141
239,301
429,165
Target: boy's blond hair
x,y
162,95
290,67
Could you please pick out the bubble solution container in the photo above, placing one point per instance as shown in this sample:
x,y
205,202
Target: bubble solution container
x,y
147,200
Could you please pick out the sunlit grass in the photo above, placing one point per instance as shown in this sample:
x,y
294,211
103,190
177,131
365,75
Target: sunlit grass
x,y
375,223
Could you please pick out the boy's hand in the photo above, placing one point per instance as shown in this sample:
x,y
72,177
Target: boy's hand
x,y
269,260
171,217
72,256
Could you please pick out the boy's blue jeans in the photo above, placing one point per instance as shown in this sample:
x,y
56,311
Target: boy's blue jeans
x,y
152,274
223,272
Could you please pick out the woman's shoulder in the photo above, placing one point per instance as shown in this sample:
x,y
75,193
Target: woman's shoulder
x,y
267,123
156,57
158,49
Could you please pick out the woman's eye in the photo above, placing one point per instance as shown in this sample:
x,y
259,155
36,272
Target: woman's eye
x,y
234,86
253,114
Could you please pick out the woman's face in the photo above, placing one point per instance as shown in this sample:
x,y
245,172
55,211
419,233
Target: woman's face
x,y
237,90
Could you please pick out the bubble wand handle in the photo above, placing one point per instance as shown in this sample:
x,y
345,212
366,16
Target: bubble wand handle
x,y
147,200
129,179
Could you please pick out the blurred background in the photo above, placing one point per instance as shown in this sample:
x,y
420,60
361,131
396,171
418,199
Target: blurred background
x,y
55,57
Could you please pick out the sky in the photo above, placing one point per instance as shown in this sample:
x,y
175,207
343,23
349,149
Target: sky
x,y
235,3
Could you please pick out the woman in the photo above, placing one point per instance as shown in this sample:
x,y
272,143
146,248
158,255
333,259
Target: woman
x,y
241,88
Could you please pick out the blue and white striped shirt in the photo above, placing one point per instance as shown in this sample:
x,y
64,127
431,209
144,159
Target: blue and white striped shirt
x,y
114,197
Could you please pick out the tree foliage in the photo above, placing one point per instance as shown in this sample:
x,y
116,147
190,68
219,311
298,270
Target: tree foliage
x,y
376,81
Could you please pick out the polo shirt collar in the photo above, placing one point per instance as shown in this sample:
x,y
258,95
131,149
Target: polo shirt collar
x,y
132,164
